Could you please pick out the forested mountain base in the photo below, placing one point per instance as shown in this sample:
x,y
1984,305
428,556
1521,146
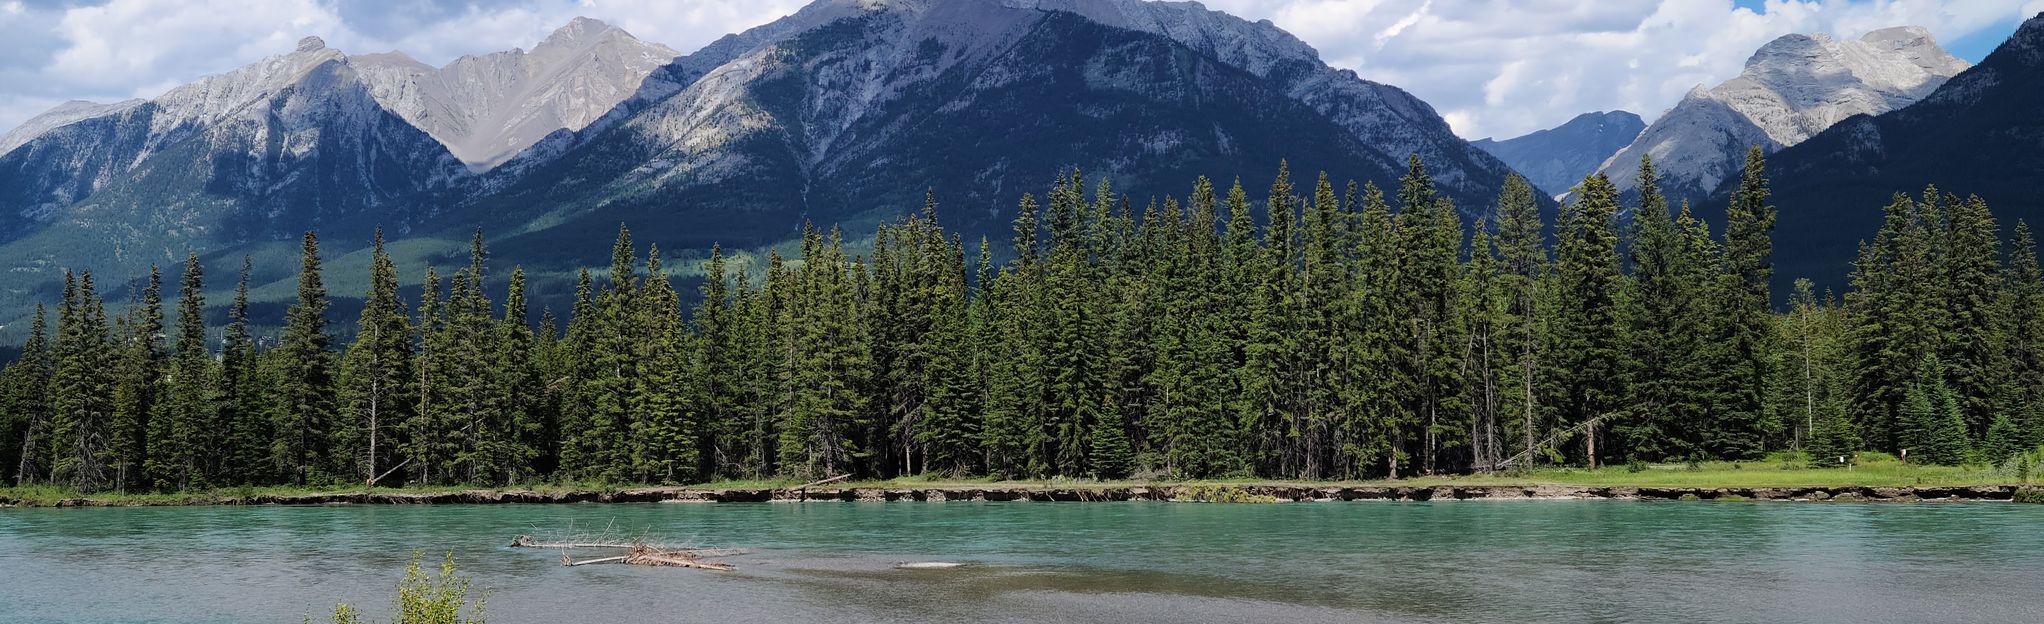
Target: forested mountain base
x,y
1317,335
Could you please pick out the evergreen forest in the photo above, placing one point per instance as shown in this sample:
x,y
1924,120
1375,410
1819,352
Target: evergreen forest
x,y
1316,332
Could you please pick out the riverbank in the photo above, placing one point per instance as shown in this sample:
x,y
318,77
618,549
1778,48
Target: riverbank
x,y
1067,493
1718,481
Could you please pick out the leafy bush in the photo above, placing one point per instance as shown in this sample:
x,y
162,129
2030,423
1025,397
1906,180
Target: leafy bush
x,y
2032,496
424,598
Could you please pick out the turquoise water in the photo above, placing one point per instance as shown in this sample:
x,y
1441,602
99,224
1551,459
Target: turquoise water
x,y
1526,561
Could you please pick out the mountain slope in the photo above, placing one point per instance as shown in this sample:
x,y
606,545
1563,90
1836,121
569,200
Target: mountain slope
x,y
842,113
851,121
1558,158
291,143
1791,89
1981,133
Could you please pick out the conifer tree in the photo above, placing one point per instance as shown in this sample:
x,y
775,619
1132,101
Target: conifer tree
x,y
1930,427
1268,278
81,433
1484,365
138,382
2022,307
376,372
424,442
830,364
1321,320
1429,241
1375,395
245,456
1015,382
1195,355
178,444
303,411
2002,442
665,426
1898,317
718,365
520,386
1975,352
1741,417
25,404
1667,328
950,433
1587,347
1524,255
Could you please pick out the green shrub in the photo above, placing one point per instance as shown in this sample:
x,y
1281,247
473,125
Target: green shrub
x,y
424,598
2032,496
1635,466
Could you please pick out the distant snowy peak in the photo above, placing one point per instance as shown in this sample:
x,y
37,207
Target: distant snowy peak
x,y
1791,89
487,109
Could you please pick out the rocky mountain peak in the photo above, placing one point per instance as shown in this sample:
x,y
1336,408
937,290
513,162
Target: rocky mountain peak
x,y
311,44
1790,89
489,108
582,32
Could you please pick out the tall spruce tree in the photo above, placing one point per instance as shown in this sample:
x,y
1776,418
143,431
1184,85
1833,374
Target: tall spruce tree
x,y
1587,345
138,383
1429,240
1523,250
521,386
2022,306
303,412
179,444
25,405
376,372
1742,419
244,458
81,431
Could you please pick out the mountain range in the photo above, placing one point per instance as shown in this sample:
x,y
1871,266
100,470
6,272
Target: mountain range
x,y
1980,133
848,111
1557,159
844,112
1791,88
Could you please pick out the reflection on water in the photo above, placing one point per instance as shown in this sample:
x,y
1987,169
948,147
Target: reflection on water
x,y
1529,561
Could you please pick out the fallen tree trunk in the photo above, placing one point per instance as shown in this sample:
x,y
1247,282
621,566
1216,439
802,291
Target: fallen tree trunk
x,y
637,553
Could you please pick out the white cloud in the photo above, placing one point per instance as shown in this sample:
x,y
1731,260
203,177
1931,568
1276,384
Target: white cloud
x,y
1491,67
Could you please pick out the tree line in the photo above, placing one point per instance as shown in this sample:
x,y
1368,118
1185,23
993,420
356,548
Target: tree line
x,y
1329,333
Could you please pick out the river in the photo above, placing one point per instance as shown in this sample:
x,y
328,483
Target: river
x,y
1126,563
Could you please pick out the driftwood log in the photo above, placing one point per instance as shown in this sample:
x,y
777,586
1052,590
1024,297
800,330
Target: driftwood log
x,y
802,491
636,553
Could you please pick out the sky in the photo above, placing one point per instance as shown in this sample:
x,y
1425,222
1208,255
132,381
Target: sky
x,y
1491,67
